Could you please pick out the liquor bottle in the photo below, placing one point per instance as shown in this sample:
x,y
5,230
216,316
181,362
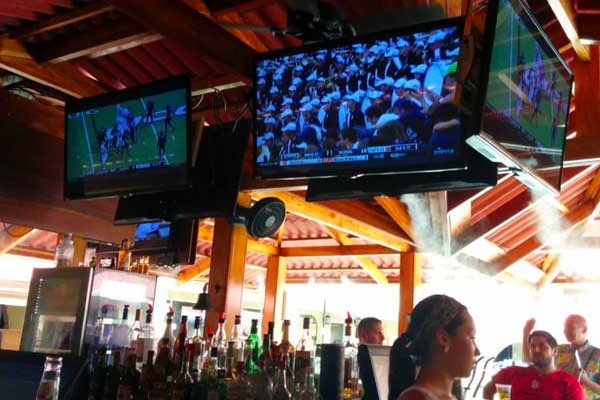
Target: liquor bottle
x,y
167,340
285,347
305,353
221,342
182,381
99,375
265,361
145,341
130,380
113,376
197,348
350,362
281,391
124,257
254,341
310,392
230,361
180,342
120,336
236,337
64,252
250,366
48,389
148,376
136,329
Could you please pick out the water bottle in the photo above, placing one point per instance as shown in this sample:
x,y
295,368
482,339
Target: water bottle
x,y
49,385
64,252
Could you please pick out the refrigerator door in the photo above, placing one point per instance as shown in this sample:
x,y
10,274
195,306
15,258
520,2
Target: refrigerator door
x,y
56,310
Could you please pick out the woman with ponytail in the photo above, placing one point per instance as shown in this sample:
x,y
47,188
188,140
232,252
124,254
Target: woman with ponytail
x,y
437,348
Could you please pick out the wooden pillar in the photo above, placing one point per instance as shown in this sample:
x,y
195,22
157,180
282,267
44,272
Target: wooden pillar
x,y
274,286
226,279
409,279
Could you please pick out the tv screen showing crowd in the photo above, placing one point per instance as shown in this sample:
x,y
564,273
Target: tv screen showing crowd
x,y
378,102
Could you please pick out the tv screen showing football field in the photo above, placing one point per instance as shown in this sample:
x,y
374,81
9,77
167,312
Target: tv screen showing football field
x,y
121,139
528,94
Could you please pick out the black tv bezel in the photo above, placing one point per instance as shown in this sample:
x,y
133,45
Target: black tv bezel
x,y
350,169
490,37
128,182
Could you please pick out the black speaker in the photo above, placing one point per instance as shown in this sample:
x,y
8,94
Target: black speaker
x,y
263,218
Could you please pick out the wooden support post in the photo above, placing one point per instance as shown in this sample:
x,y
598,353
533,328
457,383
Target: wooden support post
x,y
274,285
226,278
408,269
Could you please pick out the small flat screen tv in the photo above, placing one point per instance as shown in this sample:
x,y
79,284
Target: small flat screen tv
x,y
526,106
164,242
373,104
135,140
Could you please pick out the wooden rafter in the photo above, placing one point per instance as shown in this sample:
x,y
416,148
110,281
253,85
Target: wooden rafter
x,y
551,270
564,13
12,235
340,216
398,212
222,7
205,234
365,262
61,20
192,30
97,41
63,77
194,271
336,251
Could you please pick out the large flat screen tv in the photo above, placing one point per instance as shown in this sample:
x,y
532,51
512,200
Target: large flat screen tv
x,y
374,104
132,141
527,101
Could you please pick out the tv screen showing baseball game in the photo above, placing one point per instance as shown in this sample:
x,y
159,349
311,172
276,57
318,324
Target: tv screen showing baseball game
x,y
132,141
381,103
528,93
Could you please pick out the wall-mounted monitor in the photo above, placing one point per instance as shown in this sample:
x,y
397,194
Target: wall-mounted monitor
x,y
135,140
527,101
376,104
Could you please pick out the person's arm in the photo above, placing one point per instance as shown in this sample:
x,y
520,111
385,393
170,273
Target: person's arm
x,y
588,383
529,324
489,390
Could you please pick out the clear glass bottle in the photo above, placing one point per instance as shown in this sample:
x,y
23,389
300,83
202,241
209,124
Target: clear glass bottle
x,y
180,342
197,347
305,354
310,392
48,388
221,342
236,337
281,390
120,336
145,341
64,252
168,340
136,328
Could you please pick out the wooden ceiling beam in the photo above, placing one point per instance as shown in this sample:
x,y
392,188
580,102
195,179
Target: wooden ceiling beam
x,y
12,235
357,224
63,77
223,7
551,270
337,251
61,20
97,41
196,32
398,212
192,272
566,16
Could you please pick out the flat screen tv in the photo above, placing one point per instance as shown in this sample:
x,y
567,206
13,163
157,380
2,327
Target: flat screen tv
x,y
215,181
164,242
526,106
375,104
135,140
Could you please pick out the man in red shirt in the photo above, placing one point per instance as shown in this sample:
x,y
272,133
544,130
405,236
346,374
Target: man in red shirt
x,y
541,380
